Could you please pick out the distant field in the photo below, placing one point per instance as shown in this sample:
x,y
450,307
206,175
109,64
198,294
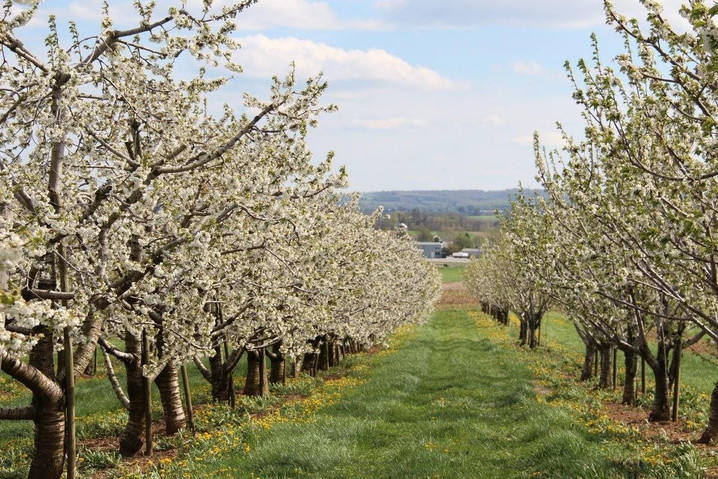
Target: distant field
x,y
452,274
484,218
450,235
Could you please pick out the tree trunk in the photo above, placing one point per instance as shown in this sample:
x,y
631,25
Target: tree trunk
x,y
533,342
252,385
168,384
221,386
661,410
333,353
48,455
587,370
131,440
523,331
605,378
629,387
503,316
91,368
324,355
276,374
307,363
263,376
711,431
49,419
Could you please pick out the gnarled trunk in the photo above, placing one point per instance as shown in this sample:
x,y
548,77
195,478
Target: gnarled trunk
x,y
131,440
257,383
523,331
629,387
49,448
168,384
221,382
277,371
48,455
533,342
307,363
252,382
588,358
605,373
661,409
324,351
711,431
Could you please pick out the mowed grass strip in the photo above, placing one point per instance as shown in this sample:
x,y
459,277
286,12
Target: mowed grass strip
x,y
452,273
447,404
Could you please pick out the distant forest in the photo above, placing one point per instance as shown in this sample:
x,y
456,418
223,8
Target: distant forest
x,y
464,202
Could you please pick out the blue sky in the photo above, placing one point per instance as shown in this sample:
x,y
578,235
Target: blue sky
x,y
431,94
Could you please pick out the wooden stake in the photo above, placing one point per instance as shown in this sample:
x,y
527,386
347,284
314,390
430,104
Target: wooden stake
x,y
263,382
69,363
643,377
538,341
595,363
615,358
187,396
232,395
148,394
71,446
677,381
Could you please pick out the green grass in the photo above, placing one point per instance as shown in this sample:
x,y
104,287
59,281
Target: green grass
x,y
698,374
451,273
452,399
447,404
99,413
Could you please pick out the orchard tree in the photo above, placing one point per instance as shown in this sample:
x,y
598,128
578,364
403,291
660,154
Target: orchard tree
x,y
640,186
98,140
506,277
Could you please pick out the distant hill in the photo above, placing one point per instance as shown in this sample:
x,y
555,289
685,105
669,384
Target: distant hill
x,y
466,202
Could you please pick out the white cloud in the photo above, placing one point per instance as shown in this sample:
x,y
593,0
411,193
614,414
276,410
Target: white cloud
x,y
550,139
301,14
491,119
546,13
298,14
389,123
310,15
495,120
262,56
535,69
528,68
87,14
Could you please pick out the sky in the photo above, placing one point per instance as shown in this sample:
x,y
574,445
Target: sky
x,y
432,95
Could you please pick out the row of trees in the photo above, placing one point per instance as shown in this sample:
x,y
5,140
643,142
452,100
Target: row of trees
x,y
443,222
626,240
128,211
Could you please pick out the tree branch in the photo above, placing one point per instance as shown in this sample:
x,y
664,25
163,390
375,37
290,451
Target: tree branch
x,y
126,358
205,158
17,414
202,369
115,35
29,376
113,380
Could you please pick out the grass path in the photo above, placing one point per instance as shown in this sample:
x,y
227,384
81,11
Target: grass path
x,y
446,404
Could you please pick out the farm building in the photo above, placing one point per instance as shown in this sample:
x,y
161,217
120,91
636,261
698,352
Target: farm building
x,y
472,252
431,250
